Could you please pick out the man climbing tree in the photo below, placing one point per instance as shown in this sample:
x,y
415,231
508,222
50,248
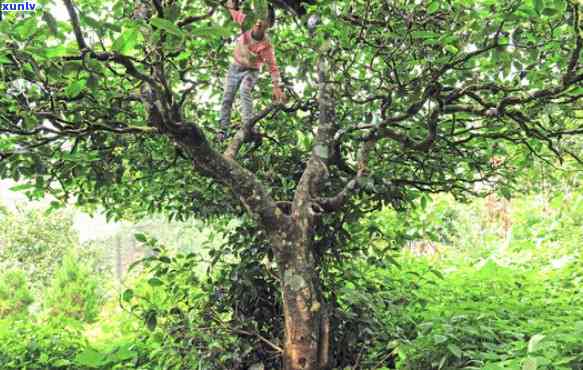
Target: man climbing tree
x,y
252,49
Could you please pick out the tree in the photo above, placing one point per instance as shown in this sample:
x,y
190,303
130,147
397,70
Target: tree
x,y
390,101
36,242
74,292
15,295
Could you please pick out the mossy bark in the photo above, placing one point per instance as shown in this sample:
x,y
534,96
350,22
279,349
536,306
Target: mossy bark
x,y
306,340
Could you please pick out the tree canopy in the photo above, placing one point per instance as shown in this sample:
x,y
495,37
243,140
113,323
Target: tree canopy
x,y
432,92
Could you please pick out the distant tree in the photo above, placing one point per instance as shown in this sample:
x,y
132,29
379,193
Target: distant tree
x,y
36,242
15,294
390,100
74,292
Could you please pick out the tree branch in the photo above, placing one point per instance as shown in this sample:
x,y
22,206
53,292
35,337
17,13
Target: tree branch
x,y
323,151
244,133
75,23
159,8
192,19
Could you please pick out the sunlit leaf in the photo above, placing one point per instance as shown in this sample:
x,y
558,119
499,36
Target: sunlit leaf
x,y
167,26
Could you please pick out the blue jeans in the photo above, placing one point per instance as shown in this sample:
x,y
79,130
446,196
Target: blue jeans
x,y
244,79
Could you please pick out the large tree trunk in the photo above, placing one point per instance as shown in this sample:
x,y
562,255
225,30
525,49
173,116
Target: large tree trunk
x,y
307,329
306,341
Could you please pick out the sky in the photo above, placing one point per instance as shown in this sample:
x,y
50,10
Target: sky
x,y
89,228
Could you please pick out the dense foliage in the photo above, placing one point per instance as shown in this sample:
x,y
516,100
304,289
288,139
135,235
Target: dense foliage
x,y
480,299
15,295
34,242
74,292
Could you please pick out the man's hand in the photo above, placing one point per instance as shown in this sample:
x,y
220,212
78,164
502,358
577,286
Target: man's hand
x,y
279,96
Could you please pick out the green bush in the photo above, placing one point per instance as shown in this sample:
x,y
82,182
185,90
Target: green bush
x,y
15,295
74,292
36,242
505,301
61,345
32,346
182,329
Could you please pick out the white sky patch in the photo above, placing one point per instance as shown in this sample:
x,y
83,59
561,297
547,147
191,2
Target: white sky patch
x,y
88,227
59,11
470,48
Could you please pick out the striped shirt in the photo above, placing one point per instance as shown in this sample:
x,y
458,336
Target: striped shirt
x,y
251,53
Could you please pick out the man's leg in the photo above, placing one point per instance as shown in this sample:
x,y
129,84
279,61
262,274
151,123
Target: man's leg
x,y
248,82
232,82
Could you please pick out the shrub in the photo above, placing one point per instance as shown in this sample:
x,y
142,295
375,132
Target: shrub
x,y
35,242
73,292
15,296
33,346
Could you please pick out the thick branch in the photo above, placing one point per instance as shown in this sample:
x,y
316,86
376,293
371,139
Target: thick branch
x,y
75,22
322,153
192,19
246,130
540,94
334,203
244,184
159,8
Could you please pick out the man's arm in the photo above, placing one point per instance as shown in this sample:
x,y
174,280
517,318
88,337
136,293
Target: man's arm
x,y
268,56
238,16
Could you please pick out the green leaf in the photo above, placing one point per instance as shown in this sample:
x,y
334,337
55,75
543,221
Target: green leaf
x,y
424,34
211,31
140,237
564,360
123,354
90,358
126,41
112,26
534,342
90,21
451,49
22,187
127,295
61,363
433,7
437,273
167,26
549,12
438,339
455,350
75,88
56,51
530,364
151,319
4,60
155,282
26,28
493,367
393,261
538,5
424,200
185,55
92,84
